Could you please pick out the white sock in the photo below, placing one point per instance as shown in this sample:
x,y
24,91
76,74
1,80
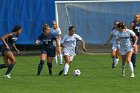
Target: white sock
x,y
56,59
116,61
61,58
131,67
66,68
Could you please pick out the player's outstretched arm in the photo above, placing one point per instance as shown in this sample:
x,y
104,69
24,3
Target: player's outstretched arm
x,y
83,46
110,37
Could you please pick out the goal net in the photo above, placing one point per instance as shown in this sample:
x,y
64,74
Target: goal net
x,y
94,19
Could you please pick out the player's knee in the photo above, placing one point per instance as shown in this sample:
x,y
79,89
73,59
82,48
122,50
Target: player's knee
x,y
14,62
129,60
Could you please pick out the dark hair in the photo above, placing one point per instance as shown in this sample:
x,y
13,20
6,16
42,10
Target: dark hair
x,y
71,27
121,25
45,26
16,28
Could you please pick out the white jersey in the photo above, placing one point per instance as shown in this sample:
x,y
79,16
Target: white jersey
x,y
115,33
125,40
70,43
56,33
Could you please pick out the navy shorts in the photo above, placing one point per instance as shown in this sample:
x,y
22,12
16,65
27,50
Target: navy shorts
x,y
50,52
4,49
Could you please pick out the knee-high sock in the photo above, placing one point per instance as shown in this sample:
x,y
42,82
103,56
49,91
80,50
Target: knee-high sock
x,y
123,68
61,58
113,59
2,66
40,66
56,61
133,59
49,66
116,61
66,68
9,68
131,67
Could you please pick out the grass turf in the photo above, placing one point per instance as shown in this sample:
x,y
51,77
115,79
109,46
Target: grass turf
x,y
97,76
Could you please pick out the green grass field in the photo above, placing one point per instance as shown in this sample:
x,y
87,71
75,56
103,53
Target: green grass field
x,y
97,76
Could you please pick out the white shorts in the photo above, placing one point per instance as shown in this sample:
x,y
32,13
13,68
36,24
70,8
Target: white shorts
x,y
71,56
124,51
115,46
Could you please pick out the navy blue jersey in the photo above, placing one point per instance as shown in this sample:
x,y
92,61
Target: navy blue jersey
x,y
10,41
47,40
136,28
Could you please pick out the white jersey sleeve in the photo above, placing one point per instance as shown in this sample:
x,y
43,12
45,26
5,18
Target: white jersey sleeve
x,y
59,31
131,33
78,37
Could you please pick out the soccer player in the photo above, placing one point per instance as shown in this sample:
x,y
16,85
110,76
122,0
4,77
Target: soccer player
x,y
8,45
116,45
135,26
47,50
69,43
126,48
57,32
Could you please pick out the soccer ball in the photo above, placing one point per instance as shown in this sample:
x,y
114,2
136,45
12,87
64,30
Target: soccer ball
x,y
76,72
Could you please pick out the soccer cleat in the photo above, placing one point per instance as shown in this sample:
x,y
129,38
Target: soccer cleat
x,y
61,63
65,74
113,66
123,73
134,66
132,75
7,76
38,74
61,72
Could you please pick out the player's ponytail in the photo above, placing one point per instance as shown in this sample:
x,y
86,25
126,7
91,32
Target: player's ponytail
x,y
16,28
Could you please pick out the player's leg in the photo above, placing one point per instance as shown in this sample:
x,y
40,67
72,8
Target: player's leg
x,y
123,64
129,55
6,62
117,56
67,63
50,55
113,55
11,57
49,63
40,66
56,54
134,55
60,55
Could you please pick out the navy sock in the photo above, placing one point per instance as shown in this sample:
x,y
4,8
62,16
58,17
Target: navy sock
x,y
50,68
9,68
133,59
2,66
40,66
49,65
